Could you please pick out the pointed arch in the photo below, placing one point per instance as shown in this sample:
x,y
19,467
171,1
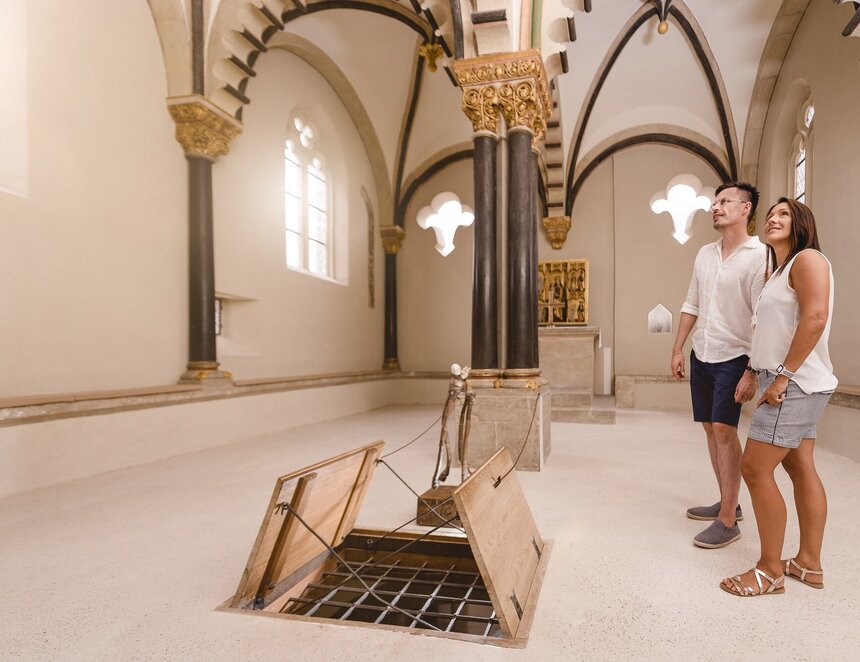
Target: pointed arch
x,y
695,36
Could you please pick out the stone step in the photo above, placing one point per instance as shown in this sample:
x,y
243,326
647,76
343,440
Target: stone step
x,y
566,398
602,411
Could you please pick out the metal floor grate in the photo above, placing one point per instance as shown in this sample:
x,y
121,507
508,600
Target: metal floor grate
x,y
450,599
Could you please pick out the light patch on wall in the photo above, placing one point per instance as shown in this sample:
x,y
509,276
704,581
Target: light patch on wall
x,y
445,215
14,157
683,197
660,319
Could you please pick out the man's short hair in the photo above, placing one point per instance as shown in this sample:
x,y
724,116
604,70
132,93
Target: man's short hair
x,y
746,187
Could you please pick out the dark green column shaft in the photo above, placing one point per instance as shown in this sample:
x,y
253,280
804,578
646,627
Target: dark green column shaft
x,y
485,314
390,323
522,244
201,266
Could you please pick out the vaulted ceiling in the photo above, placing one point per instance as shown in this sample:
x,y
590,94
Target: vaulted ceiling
x,y
696,74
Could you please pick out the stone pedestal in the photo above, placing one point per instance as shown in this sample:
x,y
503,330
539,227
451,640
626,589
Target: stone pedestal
x,y
439,499
567,357
501,417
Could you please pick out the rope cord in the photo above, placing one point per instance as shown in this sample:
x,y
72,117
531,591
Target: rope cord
x,y
424,501
397,450
523,447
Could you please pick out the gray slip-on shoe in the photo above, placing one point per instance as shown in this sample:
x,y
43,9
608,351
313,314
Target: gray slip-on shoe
x,y
711,512
717,535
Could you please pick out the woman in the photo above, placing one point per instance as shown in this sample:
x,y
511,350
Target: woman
x,y
795,376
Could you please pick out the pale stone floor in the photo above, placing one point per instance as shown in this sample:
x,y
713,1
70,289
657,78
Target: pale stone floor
x,y
130,565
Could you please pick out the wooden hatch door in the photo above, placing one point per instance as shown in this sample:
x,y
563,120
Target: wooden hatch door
x,y
326,495
503,536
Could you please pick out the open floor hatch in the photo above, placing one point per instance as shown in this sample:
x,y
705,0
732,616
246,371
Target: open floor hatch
x,y
480,584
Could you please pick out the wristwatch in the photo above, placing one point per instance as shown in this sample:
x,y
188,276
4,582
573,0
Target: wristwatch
x,y
782,370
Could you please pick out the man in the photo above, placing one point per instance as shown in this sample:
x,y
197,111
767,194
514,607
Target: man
x,y
727,278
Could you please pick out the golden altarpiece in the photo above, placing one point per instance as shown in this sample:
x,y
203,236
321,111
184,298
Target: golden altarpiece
x,y
563,293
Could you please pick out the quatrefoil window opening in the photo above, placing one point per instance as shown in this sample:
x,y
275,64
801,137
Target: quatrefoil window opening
x,y
683,197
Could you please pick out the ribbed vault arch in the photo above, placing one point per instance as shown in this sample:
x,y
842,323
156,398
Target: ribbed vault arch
x,y
692,31
773,55
661,134
241,32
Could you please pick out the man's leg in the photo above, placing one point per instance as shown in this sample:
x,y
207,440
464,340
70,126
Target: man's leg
x,y
712,452
728,469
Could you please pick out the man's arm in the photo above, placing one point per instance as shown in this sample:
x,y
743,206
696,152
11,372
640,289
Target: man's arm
x,y
685,325
745,390
689,315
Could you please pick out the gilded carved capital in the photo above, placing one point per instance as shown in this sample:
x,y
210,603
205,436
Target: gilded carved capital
x,y
392,238
202,128
481,105
557,228
519,91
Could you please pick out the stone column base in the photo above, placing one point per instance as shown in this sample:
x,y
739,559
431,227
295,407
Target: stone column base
x,y
206,374
501,417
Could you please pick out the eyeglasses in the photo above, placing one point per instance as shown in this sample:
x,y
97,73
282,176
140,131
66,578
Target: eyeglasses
x,y
722,202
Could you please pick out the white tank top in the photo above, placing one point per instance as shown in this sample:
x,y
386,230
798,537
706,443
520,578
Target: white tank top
x,y
775,321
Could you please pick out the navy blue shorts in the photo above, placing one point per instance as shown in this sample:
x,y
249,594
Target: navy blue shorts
x,y
712,387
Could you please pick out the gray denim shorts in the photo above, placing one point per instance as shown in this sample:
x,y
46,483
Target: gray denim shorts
x,y
788,423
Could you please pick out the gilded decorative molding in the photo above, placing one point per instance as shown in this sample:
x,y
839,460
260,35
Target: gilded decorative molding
x,y
481,106
557,228
201,127
392,238
431,53
520,91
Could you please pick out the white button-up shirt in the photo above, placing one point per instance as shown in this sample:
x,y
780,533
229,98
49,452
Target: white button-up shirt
x,y
723,294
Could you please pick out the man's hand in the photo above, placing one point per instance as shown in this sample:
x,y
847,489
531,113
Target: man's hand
x,y
678,365
745,389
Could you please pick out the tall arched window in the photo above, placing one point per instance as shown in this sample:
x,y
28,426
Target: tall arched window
x,y
800,175
307,197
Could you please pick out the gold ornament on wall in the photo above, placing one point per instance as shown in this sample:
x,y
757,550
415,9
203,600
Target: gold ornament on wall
x,y
431,53
392,238
563,293
557,228
202,128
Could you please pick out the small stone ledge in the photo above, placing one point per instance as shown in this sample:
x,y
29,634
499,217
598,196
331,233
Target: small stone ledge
x,y
38,408
846,396
625,385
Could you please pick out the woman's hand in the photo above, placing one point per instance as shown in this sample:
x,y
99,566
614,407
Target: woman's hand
x,y
775,393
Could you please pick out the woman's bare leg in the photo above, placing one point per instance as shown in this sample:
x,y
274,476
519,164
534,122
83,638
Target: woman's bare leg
x,y
811,502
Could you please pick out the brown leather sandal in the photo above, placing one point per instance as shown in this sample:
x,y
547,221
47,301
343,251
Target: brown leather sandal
x,y
803,573
775,585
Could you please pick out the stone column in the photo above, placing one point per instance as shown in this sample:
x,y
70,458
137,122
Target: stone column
x,y
481,105
526,106
392,239
511,410
205,132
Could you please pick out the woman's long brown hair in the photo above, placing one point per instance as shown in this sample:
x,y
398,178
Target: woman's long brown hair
x,y
802,235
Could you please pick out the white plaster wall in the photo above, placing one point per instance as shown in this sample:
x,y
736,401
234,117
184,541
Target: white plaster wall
x,y
434,293
40,454
377,54
294,323
93,264
591,236
827,62
651,267
439,121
